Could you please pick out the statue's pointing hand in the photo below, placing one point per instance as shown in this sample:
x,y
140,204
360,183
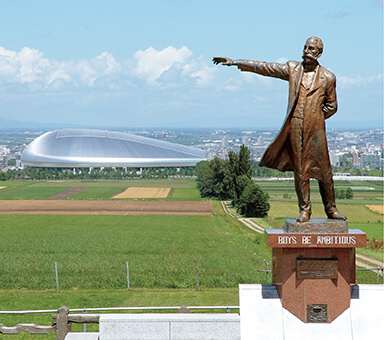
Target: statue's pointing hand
x,y
222,60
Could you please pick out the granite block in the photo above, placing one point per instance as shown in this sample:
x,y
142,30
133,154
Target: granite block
x,y
82,336
170,327
315,225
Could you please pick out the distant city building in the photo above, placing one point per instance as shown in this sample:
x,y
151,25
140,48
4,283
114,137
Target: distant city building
x,y
245,140
260,141
224,142
355,160
370,161
334,157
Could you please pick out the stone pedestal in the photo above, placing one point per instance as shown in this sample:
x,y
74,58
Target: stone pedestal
x,y
263,317
314,267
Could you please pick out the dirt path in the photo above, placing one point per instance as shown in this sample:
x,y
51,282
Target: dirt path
x,y
89,207
246,221
368,259
369,263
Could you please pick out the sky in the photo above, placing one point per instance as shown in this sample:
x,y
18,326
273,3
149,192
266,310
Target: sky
x,y
147,63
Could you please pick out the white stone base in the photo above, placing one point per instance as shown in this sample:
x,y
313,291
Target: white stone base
x,y
263,317
169,327
82,336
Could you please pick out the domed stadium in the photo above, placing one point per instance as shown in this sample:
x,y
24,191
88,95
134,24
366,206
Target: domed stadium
x,y
98,148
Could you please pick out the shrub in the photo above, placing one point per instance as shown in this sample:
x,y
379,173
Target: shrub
x,y
253,202
375,244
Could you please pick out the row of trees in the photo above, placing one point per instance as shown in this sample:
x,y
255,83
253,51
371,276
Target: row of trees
x,y
94,173
230,179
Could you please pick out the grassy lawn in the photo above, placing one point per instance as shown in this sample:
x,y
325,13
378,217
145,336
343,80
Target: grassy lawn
x,y
92,251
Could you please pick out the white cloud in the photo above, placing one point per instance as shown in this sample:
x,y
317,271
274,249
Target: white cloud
x,y
356,80
282,60
200,72
171,67
9,64
151,63
232,84
29,66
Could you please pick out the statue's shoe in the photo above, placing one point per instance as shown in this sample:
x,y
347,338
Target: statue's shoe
x,y
337,216
304,216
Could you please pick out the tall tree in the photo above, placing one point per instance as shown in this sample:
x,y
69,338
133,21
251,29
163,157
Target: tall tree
x,y
245,162
214,179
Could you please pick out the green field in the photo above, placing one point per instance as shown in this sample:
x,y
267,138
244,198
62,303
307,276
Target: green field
x,y
92,251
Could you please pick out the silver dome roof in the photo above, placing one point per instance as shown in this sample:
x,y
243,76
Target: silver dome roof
x,y
99,148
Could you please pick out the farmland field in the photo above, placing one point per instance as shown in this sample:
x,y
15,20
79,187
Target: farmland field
x,y
140,192
92,251
104,207
181,189
365,192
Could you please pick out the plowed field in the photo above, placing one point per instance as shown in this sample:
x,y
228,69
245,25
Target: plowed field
x,y
88,207
66,193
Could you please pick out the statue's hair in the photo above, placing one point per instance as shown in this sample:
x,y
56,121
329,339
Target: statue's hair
x,y
319,43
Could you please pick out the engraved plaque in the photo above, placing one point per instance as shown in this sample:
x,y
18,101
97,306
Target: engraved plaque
x,y
317,312
310,268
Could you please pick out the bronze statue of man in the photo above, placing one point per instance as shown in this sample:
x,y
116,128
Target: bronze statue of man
x,y
301,145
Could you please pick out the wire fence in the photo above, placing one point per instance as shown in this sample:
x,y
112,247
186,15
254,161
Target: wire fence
x,y
227,309
378,270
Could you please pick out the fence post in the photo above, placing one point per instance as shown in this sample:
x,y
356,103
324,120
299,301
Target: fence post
x,y
378,273
267,269
57,277
183,310
128,285
197,276
84,324
62,326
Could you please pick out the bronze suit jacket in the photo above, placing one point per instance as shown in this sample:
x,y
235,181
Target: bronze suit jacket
x,y
321,104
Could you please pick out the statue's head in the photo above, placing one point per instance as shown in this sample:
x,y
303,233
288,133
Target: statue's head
x,y
313,49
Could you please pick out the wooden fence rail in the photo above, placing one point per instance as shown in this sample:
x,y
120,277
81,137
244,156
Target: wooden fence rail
x,y
31,328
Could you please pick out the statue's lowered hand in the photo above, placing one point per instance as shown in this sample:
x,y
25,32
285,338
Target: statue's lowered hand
x,y
222,60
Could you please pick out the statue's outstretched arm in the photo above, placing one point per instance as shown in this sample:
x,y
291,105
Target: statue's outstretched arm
x,y
276,70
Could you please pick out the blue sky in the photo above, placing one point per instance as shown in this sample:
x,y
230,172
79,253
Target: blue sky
x,y
147,63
